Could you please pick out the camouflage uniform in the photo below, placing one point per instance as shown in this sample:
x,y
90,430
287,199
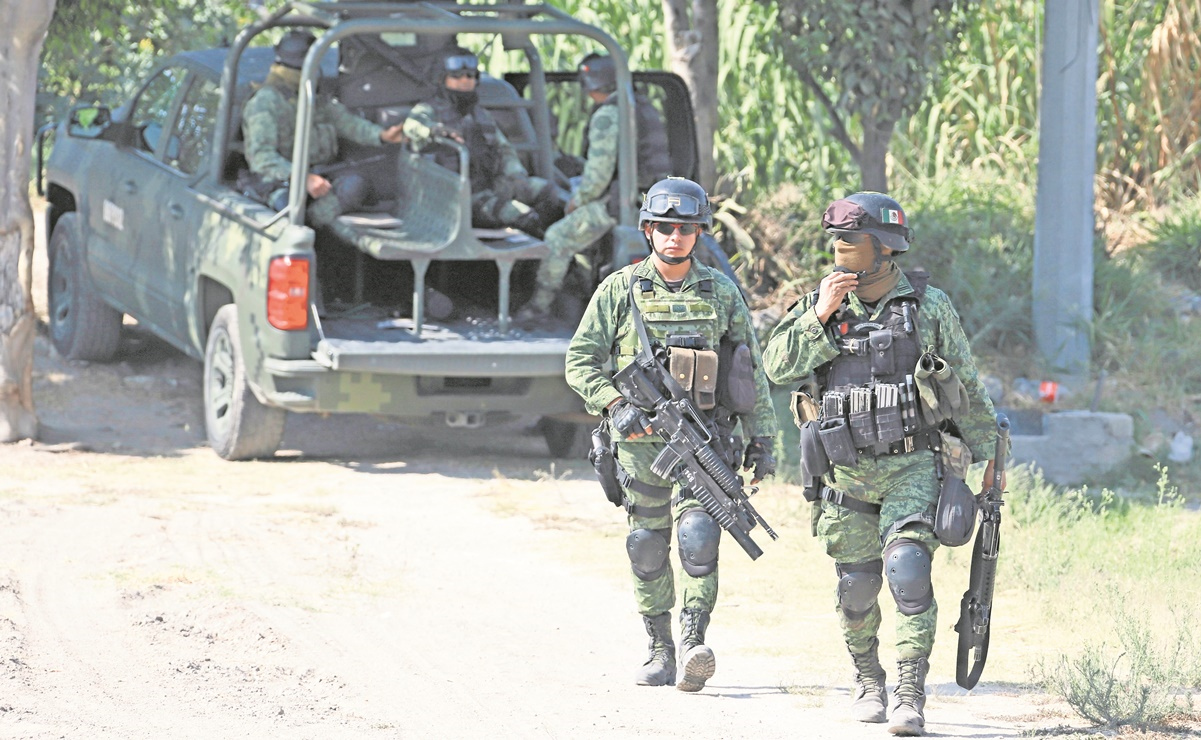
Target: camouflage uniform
x,y
501,188
606,332
589,218
903,484
269,131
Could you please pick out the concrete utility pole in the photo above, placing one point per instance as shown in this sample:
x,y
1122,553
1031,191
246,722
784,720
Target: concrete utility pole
x,y
1067,163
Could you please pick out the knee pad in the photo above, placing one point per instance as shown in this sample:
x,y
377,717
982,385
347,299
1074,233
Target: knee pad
x,y
647,549
907,563
699,536
858,586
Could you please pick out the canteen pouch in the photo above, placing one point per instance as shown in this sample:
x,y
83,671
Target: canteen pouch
x,y
955,517
738,369
889,426
814,463
863,423
883,360
836,440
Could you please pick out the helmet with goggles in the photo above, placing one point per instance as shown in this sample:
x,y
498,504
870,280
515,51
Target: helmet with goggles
x,y
293,47
676,200
869,213
459,62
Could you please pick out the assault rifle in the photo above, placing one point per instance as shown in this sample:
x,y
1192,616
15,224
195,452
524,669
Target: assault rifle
x,y
690,448
975,610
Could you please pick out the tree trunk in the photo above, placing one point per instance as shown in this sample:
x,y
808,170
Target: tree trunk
x,y
20,48
692,44
873,156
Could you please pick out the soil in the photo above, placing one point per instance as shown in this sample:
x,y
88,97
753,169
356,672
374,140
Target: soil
x,y
375,581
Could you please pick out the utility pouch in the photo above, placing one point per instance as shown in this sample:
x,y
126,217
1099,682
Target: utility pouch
x,y
804,408
955,517
696,372
883,360
836,440
814,463
889,426
740,380
601,457
863,423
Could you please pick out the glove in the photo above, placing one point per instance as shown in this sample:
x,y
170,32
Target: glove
x,y
629,420
758,456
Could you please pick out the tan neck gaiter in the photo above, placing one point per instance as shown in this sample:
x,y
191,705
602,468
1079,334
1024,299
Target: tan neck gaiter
x,y
861,257
284,79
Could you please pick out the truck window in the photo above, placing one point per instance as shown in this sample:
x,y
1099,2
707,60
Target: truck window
x,y
194,127
149,115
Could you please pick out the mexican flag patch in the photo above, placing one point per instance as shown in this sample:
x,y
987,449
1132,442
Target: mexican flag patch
x,y
890,216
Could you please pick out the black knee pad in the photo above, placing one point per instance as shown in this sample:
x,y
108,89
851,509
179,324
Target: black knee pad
x,y
858,586
907,563
647,549
698,535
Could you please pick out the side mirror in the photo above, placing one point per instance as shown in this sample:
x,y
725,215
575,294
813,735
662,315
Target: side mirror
x,y
88,121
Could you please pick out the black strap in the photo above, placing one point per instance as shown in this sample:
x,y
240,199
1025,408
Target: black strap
x,y
928,439
841,499
706,287
656,492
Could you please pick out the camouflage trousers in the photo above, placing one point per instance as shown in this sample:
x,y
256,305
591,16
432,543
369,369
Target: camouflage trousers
x,y
658,596
566,238
508,201
902,485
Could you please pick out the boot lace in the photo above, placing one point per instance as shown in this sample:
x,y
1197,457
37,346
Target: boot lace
x,y
868,673
908,689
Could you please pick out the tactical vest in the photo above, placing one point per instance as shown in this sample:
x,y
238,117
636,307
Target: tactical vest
x,y
669,316
654,160
868,398
480,135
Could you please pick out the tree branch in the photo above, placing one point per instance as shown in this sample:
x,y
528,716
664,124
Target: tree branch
x,y
837,128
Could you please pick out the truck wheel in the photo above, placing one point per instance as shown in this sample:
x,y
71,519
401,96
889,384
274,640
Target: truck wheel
x,y
566,440
82,327
238,426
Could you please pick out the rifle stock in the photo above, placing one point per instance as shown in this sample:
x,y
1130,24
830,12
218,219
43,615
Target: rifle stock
x,y
975,609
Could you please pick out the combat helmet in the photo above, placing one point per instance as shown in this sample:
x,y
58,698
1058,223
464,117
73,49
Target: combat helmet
x,y
872,213
676,200
597,73
293,47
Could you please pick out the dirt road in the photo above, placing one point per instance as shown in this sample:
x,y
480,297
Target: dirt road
x,y
377,581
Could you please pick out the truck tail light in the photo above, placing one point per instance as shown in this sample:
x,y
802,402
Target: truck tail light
x,y
288,293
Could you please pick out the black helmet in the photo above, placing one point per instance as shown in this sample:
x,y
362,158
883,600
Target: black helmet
x,y
598,73
676,200
292,48
874,213
458,59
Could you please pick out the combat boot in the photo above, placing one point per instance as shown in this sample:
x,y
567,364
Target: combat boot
x,y
660,667
909,698
699,661
870,697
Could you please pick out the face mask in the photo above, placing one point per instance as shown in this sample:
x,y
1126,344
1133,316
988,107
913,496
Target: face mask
x,y
863,254
463,101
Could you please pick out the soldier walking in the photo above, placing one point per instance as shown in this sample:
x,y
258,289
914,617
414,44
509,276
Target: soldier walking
x,y
899,403
682,304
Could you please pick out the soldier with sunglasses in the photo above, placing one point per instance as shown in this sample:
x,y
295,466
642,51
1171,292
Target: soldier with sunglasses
x,y
502,192
684,304
874,454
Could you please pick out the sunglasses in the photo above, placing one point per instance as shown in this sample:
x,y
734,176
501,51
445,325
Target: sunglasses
x,y
854,237
461,74
667,229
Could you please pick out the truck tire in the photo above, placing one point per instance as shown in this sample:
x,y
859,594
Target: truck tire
x,y
237,425
82,327
566,440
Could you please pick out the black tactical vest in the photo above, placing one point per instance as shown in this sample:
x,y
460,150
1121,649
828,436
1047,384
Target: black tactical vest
x,y
481,137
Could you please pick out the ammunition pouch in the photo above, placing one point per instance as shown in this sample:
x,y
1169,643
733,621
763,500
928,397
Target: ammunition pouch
x,y
869,421
696,372
804,408
605,464
955,517
736,374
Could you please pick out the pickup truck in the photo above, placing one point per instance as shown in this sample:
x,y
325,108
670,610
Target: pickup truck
x,y
146,220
